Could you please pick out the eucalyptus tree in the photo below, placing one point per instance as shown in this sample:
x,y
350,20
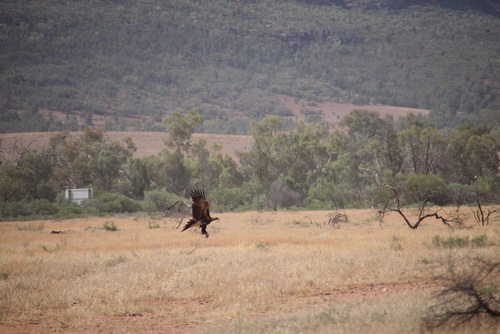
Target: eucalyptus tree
x,y
259,162
89,159
422,146
472,153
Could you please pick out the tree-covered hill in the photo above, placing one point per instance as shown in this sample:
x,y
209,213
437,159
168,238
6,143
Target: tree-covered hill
x,y
230,59
489,6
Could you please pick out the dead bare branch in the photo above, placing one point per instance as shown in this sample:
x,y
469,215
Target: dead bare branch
x,y
393,204
337,218
470,288
481,215
178,209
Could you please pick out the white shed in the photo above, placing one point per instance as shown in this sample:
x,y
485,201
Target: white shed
x,y
78,195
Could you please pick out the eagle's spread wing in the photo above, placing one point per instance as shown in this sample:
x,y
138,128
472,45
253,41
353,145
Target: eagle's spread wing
x,y
191,223
200,206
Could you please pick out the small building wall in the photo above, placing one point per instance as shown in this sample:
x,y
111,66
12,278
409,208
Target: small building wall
x,y
78,195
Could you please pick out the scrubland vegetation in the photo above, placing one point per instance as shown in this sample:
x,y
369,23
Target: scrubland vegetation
x,y
402,228
368,161
259,272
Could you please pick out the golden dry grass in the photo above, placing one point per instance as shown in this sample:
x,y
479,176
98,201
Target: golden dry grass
x,y
259,272
147,143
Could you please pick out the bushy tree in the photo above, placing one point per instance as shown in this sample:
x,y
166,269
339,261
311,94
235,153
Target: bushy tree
x,y
472,153
89,159
180,128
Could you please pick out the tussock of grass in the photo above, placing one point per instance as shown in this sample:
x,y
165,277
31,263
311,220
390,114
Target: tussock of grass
x,y
110,226
458,242
30,227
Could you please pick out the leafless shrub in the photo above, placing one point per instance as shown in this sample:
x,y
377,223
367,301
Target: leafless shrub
x,y
393,204
482,215
470,290
335,219
178,210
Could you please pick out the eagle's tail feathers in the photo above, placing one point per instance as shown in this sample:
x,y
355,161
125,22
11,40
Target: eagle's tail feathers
x,y
190,223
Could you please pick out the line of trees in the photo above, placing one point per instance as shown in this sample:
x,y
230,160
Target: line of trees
x,y
360,164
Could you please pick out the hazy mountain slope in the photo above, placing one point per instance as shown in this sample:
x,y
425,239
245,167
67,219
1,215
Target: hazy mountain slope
x,y
230,59
488,6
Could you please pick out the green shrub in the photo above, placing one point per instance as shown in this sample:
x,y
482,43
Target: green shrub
x,y
229,198
431,187
68,210
110,226
113,203
158,201
38,207
17,209
479,241
458,242
450,242
42,207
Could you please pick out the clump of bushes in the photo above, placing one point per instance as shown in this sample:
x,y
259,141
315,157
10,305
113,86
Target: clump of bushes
x,y
39,207
158,201
110,226
457,242
43,209
113,203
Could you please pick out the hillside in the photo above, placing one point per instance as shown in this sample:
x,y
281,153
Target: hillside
x,y
66,64
488,6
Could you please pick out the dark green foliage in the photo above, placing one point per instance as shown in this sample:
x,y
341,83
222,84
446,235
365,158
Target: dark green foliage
x,y
69,210
114,203
450,242
158,201
458,242
367,163
430,188
479,241
43,207
40,208
229,59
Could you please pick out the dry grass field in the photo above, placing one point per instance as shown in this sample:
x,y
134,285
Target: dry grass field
x,y
259,272
147,143
333,112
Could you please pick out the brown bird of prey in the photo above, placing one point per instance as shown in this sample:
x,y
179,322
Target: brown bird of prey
x,y
201,215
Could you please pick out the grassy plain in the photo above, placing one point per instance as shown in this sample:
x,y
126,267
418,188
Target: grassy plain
x,y
259,272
